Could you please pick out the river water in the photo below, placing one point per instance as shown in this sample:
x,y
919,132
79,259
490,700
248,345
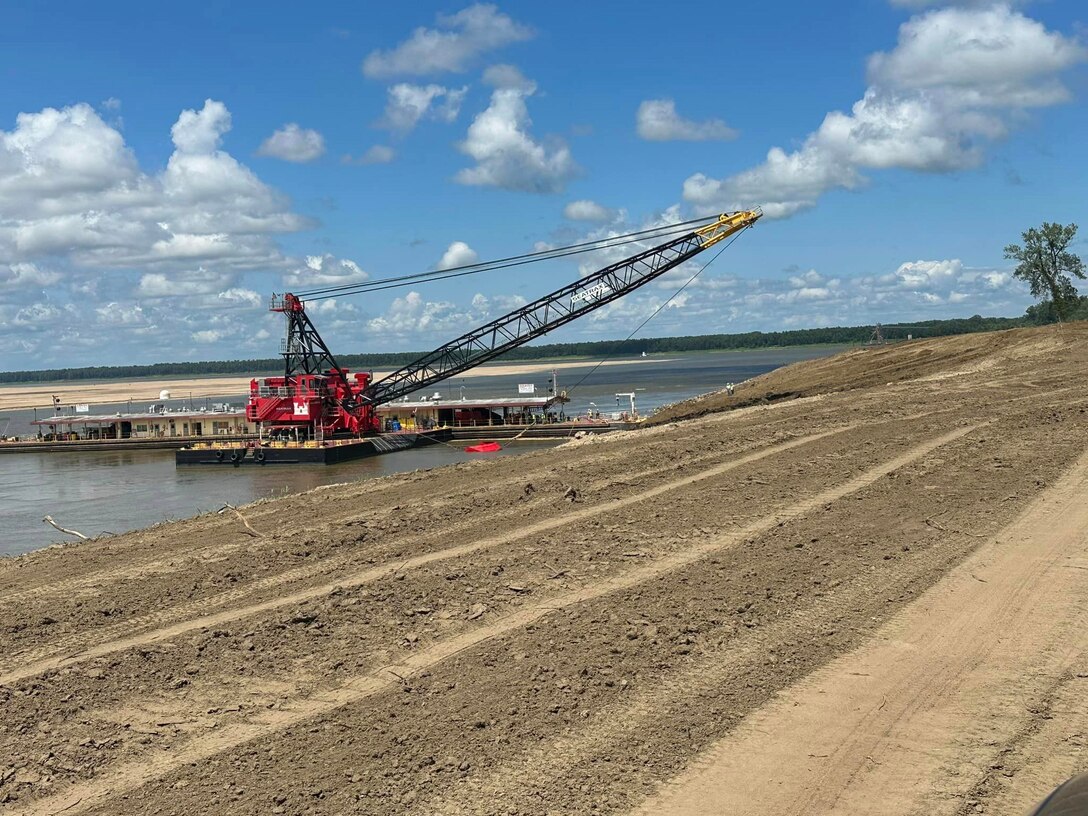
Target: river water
x,y
117,491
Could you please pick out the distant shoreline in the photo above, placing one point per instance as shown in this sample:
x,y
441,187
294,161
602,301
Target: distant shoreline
x,y
21,397
530,355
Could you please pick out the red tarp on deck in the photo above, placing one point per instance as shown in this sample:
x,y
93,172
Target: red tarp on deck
x,y
485,447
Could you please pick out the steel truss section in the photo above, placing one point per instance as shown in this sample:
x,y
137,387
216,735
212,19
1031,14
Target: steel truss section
x,y
537,318
303,350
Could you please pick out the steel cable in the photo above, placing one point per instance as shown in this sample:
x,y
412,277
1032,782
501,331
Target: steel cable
x,y
501,263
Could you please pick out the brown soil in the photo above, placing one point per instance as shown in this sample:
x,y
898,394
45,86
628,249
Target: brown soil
x,y
599,627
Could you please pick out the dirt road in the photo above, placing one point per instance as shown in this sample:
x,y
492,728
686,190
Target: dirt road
x,y
948,691
868,599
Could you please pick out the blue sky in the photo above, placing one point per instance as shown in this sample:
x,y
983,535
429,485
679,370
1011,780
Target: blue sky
x,y
164,168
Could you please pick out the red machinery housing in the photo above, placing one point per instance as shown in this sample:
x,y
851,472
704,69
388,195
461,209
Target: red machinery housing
x,y
312,403
315,397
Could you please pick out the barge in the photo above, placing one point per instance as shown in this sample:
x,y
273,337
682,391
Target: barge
x,y
212,436
157,423
76,445
327,452
551,430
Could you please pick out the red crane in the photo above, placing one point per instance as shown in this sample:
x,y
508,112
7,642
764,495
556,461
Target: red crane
x,y
317,398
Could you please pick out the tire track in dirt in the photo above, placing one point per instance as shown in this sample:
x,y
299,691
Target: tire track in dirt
x,y
333,563
176,561
178,558
1041,708
529,773
188,546
191,546
288,576
470,527
526,775
370,574
81,797
320,653
1049,750
907,722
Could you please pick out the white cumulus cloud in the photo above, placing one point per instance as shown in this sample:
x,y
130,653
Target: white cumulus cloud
x,y
452,46
26,276
957,79
412,314
413,320
496,305
506,154
69,186
201,131
915,290
153,255
407,104
114,313
324,270
195,282
916,275
658,121
586,210
55,154
507,76
43,316
294,144
457,254
238,296
990,57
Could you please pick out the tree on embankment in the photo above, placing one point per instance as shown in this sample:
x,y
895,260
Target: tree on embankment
x,y
1046,266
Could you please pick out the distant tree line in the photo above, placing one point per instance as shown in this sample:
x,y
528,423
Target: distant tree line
x,y
1043,312
594,350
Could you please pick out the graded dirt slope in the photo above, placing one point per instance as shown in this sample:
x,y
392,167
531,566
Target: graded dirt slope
x,y
869,366
866,599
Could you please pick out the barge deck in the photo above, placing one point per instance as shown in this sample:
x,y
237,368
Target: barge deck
x,y
197,447
329,452
125,444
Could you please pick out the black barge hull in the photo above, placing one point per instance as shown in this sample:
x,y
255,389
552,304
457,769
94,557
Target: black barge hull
x,y
329,453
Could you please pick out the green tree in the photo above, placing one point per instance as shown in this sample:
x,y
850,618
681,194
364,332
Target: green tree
x,y
1046,265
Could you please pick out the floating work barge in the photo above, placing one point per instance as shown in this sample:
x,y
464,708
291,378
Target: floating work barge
x,y
327,452
157,423
154,429
500,417
473,412
202,435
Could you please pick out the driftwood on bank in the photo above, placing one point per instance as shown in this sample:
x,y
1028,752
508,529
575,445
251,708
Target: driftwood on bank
x,y
238,513
49,520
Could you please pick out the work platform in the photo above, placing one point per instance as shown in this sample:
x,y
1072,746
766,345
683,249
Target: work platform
x,y
329,452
